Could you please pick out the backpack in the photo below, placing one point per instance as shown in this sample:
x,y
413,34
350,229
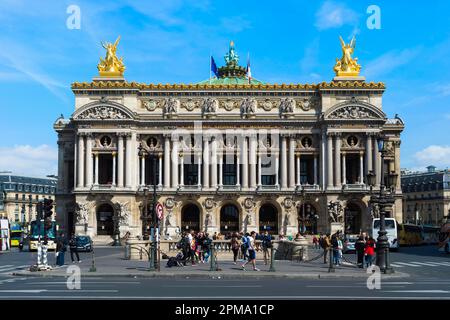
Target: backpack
x,y
321,242
245,243
172,262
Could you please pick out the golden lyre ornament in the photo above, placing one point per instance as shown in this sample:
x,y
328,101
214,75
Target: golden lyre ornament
x,y
347,66
111,66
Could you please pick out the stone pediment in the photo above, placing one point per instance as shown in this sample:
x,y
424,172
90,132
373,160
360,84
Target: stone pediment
x,y
103,110
354,110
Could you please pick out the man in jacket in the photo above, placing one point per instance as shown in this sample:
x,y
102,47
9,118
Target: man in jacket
x,y
359,248
326,244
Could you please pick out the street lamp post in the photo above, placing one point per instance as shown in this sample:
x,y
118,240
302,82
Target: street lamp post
x,y
385,200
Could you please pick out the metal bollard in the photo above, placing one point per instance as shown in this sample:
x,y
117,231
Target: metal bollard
x,y
331,267
272,260
93,268
152,257
212,256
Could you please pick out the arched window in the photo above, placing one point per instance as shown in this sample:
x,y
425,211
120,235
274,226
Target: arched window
x,y
190,218
229,219
105,224
268,219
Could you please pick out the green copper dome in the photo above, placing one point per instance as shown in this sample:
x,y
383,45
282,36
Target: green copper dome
x,y
232,72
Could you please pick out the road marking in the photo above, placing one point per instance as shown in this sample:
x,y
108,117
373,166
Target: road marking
x,y
420,291
218,286
83,282
396,265
442,263
46,290
425,263
407,264
6,266
12,268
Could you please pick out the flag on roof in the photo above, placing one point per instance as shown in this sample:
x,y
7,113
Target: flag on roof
x,y
249,73
214,67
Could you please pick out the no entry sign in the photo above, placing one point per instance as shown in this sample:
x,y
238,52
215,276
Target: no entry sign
x,y
159,211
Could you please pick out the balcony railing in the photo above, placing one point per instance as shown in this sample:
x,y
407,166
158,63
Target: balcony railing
x,y
356,186
268,187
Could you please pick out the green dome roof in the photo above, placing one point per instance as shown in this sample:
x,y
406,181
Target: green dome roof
x,y
232,80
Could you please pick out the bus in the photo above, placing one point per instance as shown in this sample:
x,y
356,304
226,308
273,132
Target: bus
x,y
410,234
16,235
35,229
444,237
430,234
392,231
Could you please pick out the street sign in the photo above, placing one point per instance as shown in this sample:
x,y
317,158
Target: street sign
x,y
159,211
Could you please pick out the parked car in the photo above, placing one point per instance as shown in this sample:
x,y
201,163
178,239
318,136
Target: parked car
x,y
84,243
349,245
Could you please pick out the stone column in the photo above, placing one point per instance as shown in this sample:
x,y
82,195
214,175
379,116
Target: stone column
x,y
134,160
377,162
238,170
206,162
128,161
337,160
160,168
323,158
316,178
361,168
114,169
291,170
80,161
120,161
397,165
89,161
199,169
244,155
214,162
220,170
283,162
277,165
167,161
259,170
182,170
344,169
369,156
96,168
252,156
174,170
298,171
329,162
61,166
143,170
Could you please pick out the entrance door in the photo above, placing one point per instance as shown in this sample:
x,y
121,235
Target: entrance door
x,y
190,218
229,219
307,219
268,219
105,223
352,219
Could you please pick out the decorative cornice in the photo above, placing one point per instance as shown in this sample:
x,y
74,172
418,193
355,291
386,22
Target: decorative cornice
x,y
182,86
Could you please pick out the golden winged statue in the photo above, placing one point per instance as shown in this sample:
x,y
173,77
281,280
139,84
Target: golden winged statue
x,y
347,66
111,66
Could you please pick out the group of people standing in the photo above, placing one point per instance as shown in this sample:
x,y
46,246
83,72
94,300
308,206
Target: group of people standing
x,y
61,248
364,247
196,247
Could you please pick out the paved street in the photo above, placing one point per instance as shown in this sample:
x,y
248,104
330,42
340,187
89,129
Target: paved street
x,y
425,275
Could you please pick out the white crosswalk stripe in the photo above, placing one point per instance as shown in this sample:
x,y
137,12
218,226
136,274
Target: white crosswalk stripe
x,y
396,265
425,263
408,264
9,268
417,264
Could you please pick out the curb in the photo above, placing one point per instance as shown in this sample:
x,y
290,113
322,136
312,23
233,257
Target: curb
x,y
218,275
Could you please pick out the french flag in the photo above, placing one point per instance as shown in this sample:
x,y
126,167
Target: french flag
x,y
249,72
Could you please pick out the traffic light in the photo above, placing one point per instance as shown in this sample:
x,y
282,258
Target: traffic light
x,y
39,210
48,207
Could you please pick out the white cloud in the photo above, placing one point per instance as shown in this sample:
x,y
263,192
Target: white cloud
x,y
334,15
35,161
389,62
436,155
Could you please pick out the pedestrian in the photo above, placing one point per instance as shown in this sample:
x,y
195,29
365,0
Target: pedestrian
x,y
266,245
207,243
235,245
215,236
199,246
315,242
334,246
244,246
191,244
359,247
369,251
73,248
60,250
251,251
326,244
340,247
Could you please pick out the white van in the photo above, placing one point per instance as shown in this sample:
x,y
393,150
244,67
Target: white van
x,y
392,231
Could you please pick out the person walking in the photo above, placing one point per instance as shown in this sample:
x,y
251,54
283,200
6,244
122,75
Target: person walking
x,y
334,246
326,244
315,242
74,249
340,247
244,246
266,245
207,243
60,250
251,251
235,245
199,246
369,251
191,244
359,248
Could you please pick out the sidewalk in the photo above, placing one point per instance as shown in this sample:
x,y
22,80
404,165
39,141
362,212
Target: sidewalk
x,y
114,265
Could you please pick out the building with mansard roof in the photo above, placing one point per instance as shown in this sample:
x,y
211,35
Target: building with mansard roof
x,y
231,153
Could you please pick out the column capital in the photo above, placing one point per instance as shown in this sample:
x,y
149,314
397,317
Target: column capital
x,y
114,153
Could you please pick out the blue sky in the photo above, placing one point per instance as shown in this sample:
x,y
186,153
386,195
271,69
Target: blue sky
x,y
170,42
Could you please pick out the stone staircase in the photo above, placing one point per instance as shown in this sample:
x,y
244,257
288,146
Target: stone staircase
x,y
102,241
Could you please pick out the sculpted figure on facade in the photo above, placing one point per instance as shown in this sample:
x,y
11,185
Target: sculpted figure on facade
x,y
210,105
353,112
287,106
123,212
101,113
82,212
171,106
248,107
335,211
